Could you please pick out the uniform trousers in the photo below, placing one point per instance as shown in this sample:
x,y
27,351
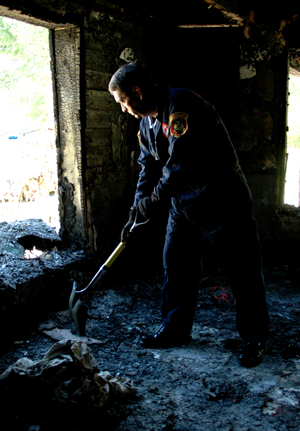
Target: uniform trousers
x,y
237,247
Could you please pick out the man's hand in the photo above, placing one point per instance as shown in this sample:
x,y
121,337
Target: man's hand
x,y
126,229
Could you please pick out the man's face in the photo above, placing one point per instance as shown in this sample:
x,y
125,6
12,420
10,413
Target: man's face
x,y
131,104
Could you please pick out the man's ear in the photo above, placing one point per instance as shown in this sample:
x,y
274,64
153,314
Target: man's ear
x,y
137,91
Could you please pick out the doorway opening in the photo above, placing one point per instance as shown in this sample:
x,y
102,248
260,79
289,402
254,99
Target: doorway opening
x,y
292,179
28,155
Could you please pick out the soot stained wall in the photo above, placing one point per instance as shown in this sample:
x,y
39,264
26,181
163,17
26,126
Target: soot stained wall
x,y
66,78
110,136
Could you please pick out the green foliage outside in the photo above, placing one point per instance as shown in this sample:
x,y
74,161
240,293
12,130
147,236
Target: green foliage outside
x,y
293,136
25,78
28,160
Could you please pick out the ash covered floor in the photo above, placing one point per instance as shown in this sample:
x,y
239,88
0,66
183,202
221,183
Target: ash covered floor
x,y
196,387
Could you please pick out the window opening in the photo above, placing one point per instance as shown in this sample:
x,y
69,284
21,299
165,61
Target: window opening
x,y
292,180
28,160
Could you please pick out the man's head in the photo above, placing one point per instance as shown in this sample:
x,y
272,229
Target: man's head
x,y
133,88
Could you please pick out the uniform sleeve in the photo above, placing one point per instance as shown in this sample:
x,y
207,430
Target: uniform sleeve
x,y
198,147
150,171
184,155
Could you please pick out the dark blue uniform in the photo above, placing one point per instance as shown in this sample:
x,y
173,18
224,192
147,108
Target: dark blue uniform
x,y
189,163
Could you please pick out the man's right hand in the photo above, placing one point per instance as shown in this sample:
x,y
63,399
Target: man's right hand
x,y
126,229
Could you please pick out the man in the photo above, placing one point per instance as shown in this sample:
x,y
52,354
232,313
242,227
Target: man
x,y
189,165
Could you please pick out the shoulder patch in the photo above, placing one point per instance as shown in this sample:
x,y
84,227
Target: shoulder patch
x,y
178,124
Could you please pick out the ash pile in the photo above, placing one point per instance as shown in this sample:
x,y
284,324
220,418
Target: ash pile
x,y
35,270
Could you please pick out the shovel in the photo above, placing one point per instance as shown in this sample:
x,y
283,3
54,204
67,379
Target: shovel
x,y
77,308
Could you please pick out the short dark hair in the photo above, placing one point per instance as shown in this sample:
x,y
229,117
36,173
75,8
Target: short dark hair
x,y
130,75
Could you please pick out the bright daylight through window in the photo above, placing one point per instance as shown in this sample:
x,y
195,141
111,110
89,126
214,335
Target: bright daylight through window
x,y
292,184
28,164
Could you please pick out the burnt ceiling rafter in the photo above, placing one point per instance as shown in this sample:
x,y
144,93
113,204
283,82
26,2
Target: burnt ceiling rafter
x,y
191,13
65,13
215,12
268,24
266,12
